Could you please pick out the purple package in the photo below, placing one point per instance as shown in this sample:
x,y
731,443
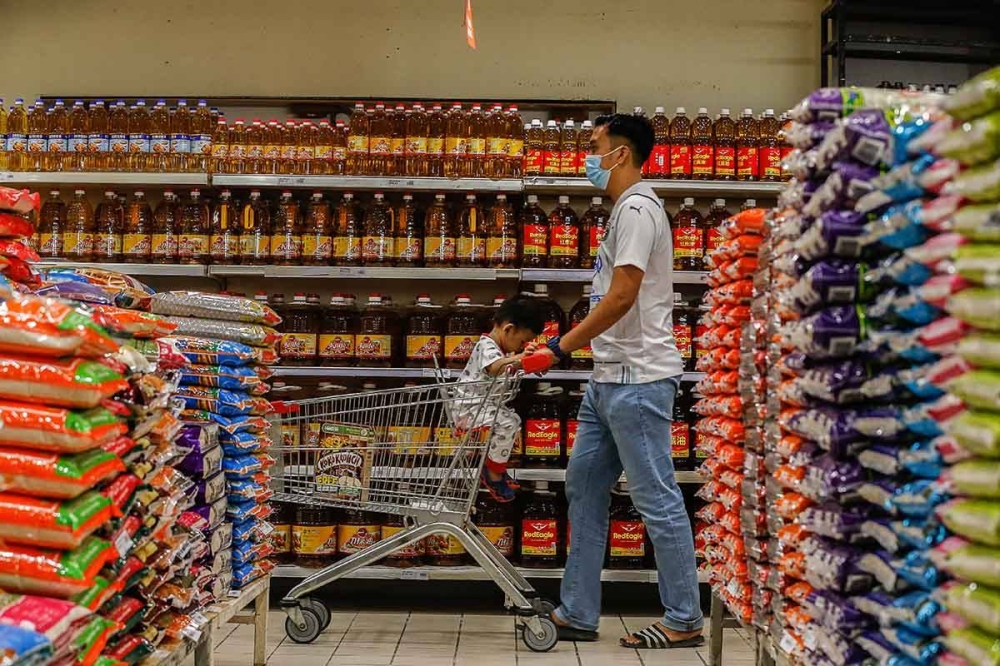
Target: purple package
x,y
830,428
864,136
76,291
807,135
832,567
875,644
878,492
830,479
882,458
829,282
884,569
831,520
847,183
835,233
835,612
835,382
825,104
211,489
840,650
202,464
213,513
830,333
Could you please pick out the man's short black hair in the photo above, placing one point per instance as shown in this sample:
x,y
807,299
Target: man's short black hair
x,y
522,311
634,129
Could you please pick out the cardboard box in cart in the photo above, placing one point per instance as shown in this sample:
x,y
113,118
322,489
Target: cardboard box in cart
x,y
344,470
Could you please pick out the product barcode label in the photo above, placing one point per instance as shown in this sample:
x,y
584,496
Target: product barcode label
x,y
842,346
847,247
123,543
192,633
409,574
842,294
868,150
199,619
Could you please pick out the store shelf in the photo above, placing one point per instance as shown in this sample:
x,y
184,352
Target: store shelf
x,y
586,275
366,272
157,270
416,373
425,573
371,183
674,188
559,475
105,178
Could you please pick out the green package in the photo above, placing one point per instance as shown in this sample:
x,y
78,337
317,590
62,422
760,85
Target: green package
x,y
979,184
976,603
979,564
978,520
979,307
977,432
979,263
979,222
976,97
981,349
975,646
976,478
979,389
973,142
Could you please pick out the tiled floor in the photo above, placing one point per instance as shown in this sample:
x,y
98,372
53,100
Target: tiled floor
x,y
429,639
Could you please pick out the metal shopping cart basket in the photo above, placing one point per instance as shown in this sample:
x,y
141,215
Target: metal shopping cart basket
x,y
416,452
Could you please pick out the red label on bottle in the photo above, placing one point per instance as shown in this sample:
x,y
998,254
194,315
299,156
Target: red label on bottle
x,y
680,160
659,161
746,161
536,240
539,537
701,161
770,162
699,452
564,240
627,538
725,161
542,437
682,338
581,163
699,350
688,242
596,236
572,425
550,162
567,162
715,239
680,439
549,330
533,161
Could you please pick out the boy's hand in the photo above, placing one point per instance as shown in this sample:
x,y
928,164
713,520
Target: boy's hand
x,y
530,348
538,362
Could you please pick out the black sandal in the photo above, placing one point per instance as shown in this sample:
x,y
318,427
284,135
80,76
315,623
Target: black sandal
x,y
654,638
576,635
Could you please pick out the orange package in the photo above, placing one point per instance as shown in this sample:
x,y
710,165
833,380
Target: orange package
x,y
789,476
792,536
799,592
790,505
56,429
793,564
52,523
52,573
47,327
71,382
731,456
132,323
749,221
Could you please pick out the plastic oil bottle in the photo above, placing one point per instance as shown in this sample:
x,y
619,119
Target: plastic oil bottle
x,y
377,246
255,231
202,125
324,148
338,158
514,144
137,240
439,235
724,140
272,147
159,138
436,130
379,148
193,244
702,154
501,235
769,152
98,141
237,147
58,137
51,226
348,233
108,229
17,137
593,226
496,138
166,229
415,149
552,141
4,162
747,141
564,236
220,147
680,145
688,235
659,161
138,136
118,137
317,234
37,144
475,157
408,234
289,147
455,142
396,165
253,162
76,146
180,137
568,149
357,142
534,224
305,148
77,233
534,139
471,240
286,232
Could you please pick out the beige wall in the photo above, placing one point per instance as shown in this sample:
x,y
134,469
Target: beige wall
x,y
757,53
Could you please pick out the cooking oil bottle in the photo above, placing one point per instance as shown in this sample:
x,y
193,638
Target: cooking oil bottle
x,y
220,147
357,141
76,148
159,138
17,137
201,138
180,137
37,139
237,147
57,137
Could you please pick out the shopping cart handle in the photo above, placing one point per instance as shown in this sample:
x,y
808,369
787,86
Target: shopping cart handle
x,y
536,363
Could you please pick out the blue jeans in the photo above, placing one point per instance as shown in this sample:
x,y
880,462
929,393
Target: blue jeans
x,y
627,426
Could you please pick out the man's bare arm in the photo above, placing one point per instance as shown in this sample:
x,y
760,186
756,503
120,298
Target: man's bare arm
x,y
625,283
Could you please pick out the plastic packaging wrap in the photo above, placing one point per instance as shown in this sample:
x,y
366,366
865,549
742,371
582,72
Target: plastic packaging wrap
x,y
213,306
254,335
62,383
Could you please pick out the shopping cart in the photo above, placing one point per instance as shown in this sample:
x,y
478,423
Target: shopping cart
x,y
416,452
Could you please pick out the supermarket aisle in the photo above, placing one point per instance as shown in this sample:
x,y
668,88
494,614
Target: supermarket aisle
x,y
429,639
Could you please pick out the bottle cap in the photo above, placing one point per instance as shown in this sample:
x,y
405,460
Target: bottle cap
x,y
317,195
587,289
286,193
751,203
542,485
702,111
501,197
660,110
439,197
720,203
499,299
348,196
688,201
570,124
748,112
677,298
541,289
551,124
587,124
537,122
337,299
724,111
299,298
532,198
260,296
681,111
407,197
463,299
423,298
596,201
139,193
563,199
81,192
470,197
768,112
379,196
53,193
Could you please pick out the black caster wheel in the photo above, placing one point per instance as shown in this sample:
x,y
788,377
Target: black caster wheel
x,y
546,641
311,629
321,611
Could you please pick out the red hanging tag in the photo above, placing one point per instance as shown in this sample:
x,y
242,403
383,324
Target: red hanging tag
x,y
470,30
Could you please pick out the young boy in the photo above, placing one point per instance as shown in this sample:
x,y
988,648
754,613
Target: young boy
x,y
518,321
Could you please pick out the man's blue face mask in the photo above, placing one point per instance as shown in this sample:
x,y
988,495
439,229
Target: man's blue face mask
x,y
596,174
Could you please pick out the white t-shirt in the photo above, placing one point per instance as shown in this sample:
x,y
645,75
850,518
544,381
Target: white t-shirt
x,y
473,385
640,347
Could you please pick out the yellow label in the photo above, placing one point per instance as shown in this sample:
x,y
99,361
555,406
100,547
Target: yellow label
x,y
297,345
374,248
454,145
220,150
435,145
413,550
459,347
49,245
305,153
286,246
137,245
192,245
255,151
323,152
436,247
354,538
408,249
409,439
501,248
106,245
416,145
447,440
272,151
443,544
379,145
501,536
223,246
291,435
515,148
165,245
345,247
373,346
336,345
397,145
281,539
314,540
422,347
76,244
288,152
254,246
495,145
317,247
471,249
477,146
357,144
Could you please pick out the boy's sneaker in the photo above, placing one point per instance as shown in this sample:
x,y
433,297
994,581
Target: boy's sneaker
x,y
514,485
499,489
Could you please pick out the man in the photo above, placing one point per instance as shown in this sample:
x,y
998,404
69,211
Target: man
x,y
626,411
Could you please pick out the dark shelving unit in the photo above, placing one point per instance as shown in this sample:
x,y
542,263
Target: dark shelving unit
x,y
964,32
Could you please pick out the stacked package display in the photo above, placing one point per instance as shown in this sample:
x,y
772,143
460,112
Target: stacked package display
x,y
852,459
728,515
223,347
966,254
17,207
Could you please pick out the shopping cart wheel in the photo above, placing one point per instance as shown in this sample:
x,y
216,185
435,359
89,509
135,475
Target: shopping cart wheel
x,y
311,629
321,611
545,607
545,642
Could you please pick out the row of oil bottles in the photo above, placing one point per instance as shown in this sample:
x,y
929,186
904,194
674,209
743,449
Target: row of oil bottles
x,y
378,141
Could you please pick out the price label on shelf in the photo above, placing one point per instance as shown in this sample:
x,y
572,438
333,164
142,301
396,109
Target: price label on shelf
x,y
400,182
409,574
291,180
